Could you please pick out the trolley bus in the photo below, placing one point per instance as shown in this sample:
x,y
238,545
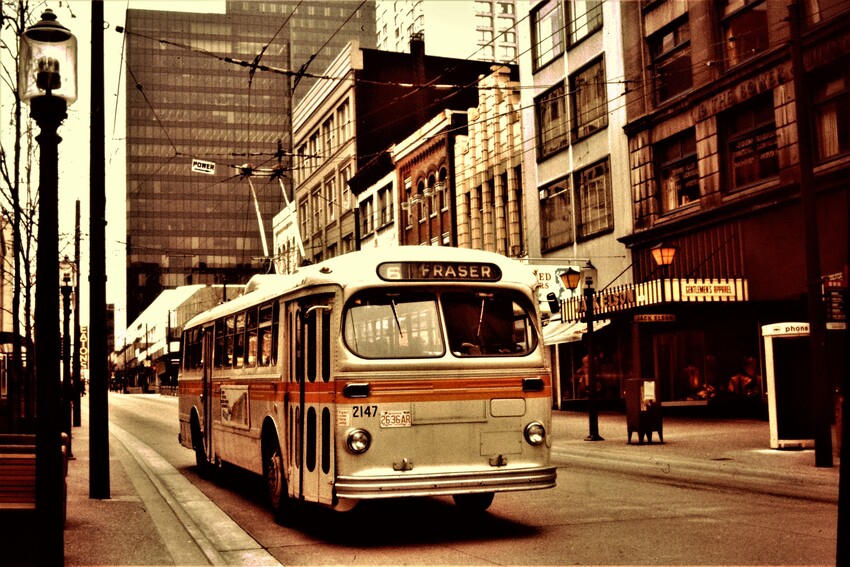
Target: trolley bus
x,y
404,371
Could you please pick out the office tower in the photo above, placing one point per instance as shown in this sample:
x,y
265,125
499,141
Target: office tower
x,y
204,134
481,29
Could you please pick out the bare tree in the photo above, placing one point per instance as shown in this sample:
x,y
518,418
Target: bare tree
x,y
16,173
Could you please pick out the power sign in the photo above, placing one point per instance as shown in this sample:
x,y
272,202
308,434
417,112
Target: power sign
x,y
84,348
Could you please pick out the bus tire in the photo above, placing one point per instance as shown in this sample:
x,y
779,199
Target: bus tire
x,y
275,480
474,502
201,462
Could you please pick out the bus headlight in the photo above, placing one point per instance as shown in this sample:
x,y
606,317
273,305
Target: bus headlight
x,y
535,433
359,440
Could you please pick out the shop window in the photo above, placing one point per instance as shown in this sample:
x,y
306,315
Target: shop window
x,y
585,18
831,108
680,365
550,110
671,59
751,142
547,25
678,176
589,101
595,208
556,217
744,29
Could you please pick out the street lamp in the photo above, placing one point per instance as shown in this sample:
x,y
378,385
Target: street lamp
x,y
663,256
571,278
67,387
47,80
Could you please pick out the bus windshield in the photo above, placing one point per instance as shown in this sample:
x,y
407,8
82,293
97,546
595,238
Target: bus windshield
x,y
407,324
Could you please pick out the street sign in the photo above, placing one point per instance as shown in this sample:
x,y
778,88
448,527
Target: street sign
x,y
201,166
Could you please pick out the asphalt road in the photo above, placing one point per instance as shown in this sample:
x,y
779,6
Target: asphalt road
x,y
600,513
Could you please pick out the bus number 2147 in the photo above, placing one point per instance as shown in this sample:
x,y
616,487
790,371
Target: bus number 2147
x,y
365,411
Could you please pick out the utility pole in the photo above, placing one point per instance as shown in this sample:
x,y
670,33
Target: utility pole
x,y
822,407
78,377
98,406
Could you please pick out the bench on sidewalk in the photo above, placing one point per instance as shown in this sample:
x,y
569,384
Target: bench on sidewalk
x,y
17,470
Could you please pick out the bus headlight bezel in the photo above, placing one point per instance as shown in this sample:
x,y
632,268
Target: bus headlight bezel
x,y
535,433
358,441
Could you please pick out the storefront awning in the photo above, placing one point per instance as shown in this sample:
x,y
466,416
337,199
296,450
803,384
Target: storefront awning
x,y
556,332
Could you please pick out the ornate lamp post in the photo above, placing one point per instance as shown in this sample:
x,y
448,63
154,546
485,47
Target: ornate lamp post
x,y
570,278
47,79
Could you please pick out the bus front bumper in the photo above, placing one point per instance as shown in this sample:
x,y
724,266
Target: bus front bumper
x,y
401,485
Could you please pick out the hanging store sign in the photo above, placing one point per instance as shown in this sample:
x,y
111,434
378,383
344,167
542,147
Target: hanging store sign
x,y
655,318
84,348
709,290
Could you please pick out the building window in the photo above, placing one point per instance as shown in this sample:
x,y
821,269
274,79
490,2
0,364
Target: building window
x,y
345,191
671,58
316,208
751,142
367,218
330,199
589,102
556,215
550,109
343,122
594,201
304,217
547,25
328,137
585,18
385,206
744,28
677,170
818,11
831,107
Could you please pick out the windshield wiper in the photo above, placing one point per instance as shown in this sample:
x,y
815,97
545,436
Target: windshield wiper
x,y
397,322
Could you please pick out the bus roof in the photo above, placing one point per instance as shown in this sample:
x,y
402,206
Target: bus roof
x,y
383,265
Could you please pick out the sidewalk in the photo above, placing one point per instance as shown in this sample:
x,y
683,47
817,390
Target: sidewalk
x,y
729,452
138,526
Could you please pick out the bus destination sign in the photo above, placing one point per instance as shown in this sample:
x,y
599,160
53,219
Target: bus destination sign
x,y
439,271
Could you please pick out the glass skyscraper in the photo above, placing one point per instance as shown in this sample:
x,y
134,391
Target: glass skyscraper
x,y
190,104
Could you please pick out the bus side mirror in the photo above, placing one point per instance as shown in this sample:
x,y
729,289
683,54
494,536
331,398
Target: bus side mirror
x,y
554,305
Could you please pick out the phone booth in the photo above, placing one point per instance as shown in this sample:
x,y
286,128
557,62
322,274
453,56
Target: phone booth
x,y
789,385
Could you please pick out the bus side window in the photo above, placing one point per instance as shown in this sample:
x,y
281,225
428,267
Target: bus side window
x,y
265,335
251,337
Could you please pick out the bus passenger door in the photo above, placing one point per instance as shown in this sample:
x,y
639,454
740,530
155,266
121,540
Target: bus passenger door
x,y
310,414
206,391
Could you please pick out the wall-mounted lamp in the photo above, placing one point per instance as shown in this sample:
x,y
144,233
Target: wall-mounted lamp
x,y
570,278
664,254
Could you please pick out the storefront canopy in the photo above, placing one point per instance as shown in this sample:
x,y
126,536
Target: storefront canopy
x,y
557,332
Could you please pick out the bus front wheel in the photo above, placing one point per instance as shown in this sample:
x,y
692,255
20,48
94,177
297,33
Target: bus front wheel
x,y
474,502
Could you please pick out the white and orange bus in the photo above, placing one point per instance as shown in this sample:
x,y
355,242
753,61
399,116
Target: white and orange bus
x,y
404,371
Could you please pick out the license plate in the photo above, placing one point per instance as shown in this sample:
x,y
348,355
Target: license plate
x,y
395,419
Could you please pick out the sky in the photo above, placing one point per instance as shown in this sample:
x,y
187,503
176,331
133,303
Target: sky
x,y
75,132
